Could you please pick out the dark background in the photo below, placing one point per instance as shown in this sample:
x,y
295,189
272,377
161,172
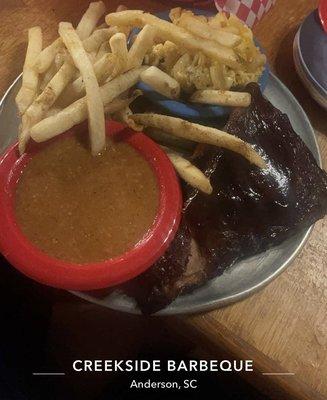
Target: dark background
x,y
45,330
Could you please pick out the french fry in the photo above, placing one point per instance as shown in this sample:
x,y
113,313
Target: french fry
x,y
90,19
165,139
101,26
45,58
47,76
103,49
126,29
143,42
201,134
53,89
53,111
123,115
118,47
168,31
175,14
93,42
30,79
61,57
102,69
120,103
77,112
219,20
61,122
217,76
92,57
221,98
231,29
22,136
56,64
93,97
189,172
172,54
38,109
85,27
125,18
201,29
161,82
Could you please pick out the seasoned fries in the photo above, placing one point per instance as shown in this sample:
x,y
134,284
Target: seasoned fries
x,y
30,79
120,103
75,90
103,50
51,92
218,79
104,67
221,98
189,172
201,134
118,47
124,115
198,52
193,24
203,57
161,82
165,139
38,109
23,134
141,45
46,56
77,112
47,76
93,97
93,42
168,31
89,20
86,74
85,27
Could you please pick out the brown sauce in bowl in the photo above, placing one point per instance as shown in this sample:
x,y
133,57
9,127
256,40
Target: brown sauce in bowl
x,y
85,209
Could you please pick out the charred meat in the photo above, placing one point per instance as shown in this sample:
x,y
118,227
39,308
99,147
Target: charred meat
x,y
249,211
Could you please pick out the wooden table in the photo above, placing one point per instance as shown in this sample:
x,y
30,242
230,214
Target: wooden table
x,y
284,327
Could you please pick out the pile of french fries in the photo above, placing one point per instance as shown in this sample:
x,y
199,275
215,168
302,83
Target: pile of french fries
x,y
203,57
87,73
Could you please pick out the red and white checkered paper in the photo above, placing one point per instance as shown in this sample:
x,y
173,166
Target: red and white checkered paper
x,y
249,11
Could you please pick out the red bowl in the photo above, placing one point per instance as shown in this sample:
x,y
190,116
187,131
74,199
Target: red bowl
x,y
36,264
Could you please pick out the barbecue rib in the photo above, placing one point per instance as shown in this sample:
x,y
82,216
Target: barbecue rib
x,y
249,210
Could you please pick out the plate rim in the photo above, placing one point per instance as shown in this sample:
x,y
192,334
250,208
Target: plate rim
x,y
212,304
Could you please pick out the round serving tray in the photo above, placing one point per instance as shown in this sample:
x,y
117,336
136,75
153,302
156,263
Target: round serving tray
x,y
245,277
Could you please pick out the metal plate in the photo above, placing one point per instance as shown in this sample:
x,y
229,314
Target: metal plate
x,y
245,277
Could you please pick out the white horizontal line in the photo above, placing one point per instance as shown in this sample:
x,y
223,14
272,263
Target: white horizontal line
x,y
49,373
279,373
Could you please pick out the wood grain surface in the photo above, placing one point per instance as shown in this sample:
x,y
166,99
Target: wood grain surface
x,y
283,327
